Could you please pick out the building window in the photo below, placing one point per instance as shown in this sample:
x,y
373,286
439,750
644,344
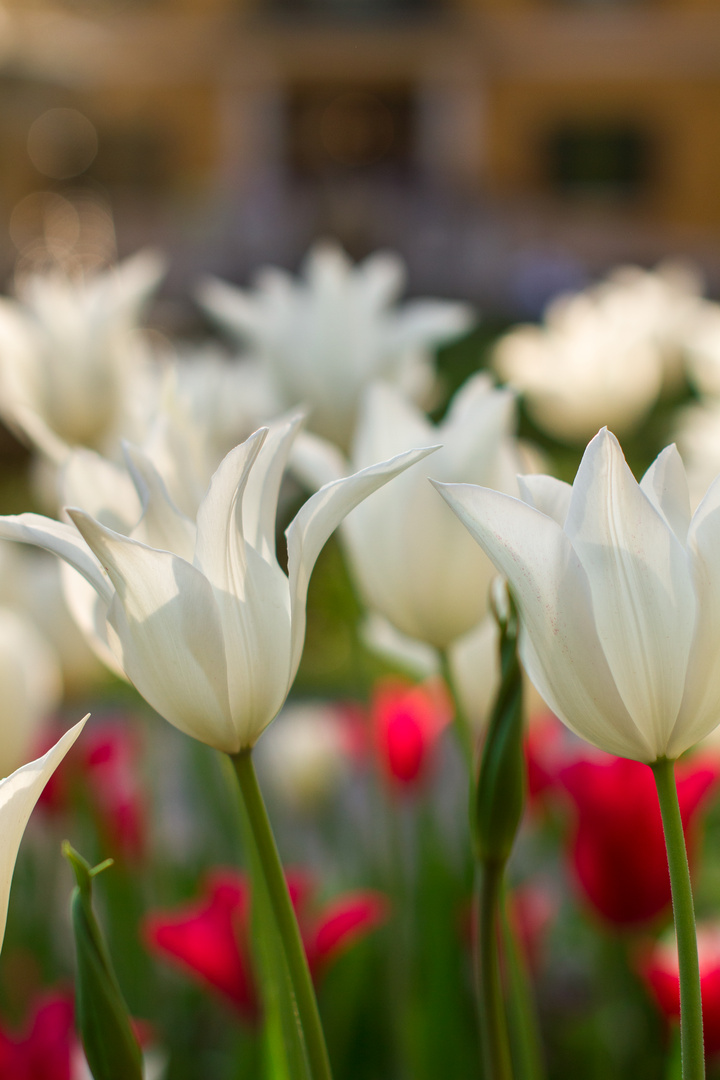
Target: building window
x,y
353,9
608,160
336,132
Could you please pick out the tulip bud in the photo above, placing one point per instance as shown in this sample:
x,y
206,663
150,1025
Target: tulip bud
x,y
111,1049
500,792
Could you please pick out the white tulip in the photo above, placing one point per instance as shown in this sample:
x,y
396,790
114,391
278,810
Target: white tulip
x,y
412,561
619,595
30,688
325,337
70,354
199,615
18,794
581,369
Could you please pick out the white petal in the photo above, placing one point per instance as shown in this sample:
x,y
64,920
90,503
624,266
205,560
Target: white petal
x,y
100,488
547,494
316,461
18,794
260,497
257,634
428,322
700,711
642,591
168,633
60,539
381,637
220,544
666,486
161,525
387,425
318,518
564,657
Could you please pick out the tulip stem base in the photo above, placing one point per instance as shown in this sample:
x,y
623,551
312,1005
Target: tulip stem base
x,y
691,1020
493,1023
276,888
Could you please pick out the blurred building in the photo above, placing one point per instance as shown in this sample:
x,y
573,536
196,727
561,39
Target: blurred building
x,y
507,147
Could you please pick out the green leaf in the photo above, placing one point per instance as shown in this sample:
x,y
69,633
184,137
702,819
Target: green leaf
x,y
500,793
111,1049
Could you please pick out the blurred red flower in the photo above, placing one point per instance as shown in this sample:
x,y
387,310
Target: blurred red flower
x,y
105,773
660,971
210,938
406,720
617,852
45,1051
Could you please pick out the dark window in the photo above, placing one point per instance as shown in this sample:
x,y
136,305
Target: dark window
x,y
603,160
353,9
336,131
133,158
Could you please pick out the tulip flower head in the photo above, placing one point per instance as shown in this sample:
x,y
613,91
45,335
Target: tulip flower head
x,y
618,849
324,338
660,972
199,614
210,938
407,720
412,563
619,595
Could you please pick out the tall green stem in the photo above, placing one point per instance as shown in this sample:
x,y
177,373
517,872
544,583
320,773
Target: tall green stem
x,y
493,1025
284,916
463,727
691,1021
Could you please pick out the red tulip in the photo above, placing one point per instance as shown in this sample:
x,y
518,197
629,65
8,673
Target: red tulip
x,y
105,772
660,971
618,851
45,1051
210,938
407,719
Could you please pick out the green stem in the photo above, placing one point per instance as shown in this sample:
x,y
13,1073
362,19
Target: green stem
x,y
463,727
284,916
522,1019
493,1025
691,1020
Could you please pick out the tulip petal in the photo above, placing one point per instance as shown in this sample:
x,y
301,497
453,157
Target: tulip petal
x,y
262,489
666,486
547,494
169,637
162,525
220,544
103,489
560,647
315,461
318,518
60,539
18,794
700,711
642,591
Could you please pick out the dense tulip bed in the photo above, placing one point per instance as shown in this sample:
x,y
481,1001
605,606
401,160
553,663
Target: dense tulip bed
x,y
407,818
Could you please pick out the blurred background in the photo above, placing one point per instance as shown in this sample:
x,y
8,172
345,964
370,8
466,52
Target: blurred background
x,y
508,149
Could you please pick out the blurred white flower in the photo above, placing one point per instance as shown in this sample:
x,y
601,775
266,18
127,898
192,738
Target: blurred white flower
x,y
410,560
663,305
227,397
305,755
697,434
581,369
30,584
326,336
30,688
198,614
70,354
18,794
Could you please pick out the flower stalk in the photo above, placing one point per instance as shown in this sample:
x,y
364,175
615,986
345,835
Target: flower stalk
x,y
275,887
691,1019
